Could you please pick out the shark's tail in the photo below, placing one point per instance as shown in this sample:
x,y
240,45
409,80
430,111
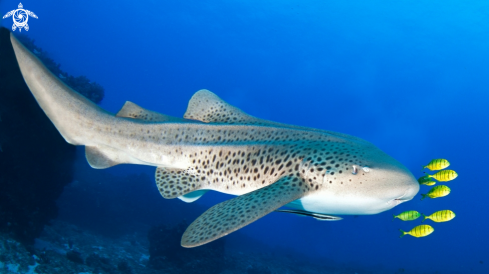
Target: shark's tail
x,y
70,112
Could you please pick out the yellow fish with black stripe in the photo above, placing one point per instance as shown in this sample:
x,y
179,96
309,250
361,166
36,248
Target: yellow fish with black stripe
x,y
419,231
437,192
444,175
426,180
437,164
440,216
410,215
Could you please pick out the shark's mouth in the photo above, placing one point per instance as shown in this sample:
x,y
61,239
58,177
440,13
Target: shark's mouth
x,y
401,199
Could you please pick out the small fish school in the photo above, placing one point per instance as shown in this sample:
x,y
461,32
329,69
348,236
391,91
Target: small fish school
x,y
435,192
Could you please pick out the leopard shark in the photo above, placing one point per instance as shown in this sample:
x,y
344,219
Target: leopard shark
x,y
217,146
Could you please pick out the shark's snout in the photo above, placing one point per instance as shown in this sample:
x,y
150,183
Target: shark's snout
x,y
411,191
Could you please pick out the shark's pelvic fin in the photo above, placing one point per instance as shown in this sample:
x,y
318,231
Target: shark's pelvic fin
x,y
233,214
173,183
193,196
131,110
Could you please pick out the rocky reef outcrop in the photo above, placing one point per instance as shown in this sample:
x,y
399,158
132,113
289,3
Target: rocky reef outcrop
x,y
165,252
35,161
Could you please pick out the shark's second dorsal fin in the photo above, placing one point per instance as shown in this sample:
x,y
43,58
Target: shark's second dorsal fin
x,y
131,110
207,107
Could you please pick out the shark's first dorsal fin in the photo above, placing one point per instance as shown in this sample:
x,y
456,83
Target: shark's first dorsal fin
x,y
131,110
207,107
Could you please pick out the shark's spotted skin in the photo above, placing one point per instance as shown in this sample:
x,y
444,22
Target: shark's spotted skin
x,y
240,169
219,147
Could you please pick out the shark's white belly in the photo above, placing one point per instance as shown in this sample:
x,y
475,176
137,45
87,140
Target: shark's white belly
x,y
331,203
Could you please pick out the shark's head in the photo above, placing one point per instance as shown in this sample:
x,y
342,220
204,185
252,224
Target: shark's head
x,y
359,179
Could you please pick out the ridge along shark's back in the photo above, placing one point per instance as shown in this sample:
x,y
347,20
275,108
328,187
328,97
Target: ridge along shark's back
x,y
219,147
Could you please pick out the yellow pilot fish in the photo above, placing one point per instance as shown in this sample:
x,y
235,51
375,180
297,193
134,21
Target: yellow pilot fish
x,y
437,192
426,180
408,215
440,216
419,231
437,164
444,175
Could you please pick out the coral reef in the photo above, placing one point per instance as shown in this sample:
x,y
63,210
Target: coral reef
x,y
81,84
35,161
129,255
75,257
165,249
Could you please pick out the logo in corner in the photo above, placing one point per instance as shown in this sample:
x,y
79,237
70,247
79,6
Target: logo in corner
x,y
20,17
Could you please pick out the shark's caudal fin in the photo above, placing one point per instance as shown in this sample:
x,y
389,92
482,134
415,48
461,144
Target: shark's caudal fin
x,y
69,111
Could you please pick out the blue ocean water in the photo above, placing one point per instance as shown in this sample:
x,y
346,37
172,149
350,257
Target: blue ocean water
x,y
410,77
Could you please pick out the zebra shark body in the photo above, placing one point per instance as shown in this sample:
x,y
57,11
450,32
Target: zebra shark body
x,y
218,147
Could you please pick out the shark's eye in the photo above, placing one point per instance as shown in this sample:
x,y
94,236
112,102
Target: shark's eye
x,y
355,170
366,169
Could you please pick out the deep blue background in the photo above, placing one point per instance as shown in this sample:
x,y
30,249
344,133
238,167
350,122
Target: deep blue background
x,y
411,77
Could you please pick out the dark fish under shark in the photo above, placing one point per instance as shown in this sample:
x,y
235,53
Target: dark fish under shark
x,y
218,147
317,216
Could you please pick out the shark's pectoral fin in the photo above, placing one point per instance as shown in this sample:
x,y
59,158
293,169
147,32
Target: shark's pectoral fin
x,y
131,110
231,215
173,183
101,157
